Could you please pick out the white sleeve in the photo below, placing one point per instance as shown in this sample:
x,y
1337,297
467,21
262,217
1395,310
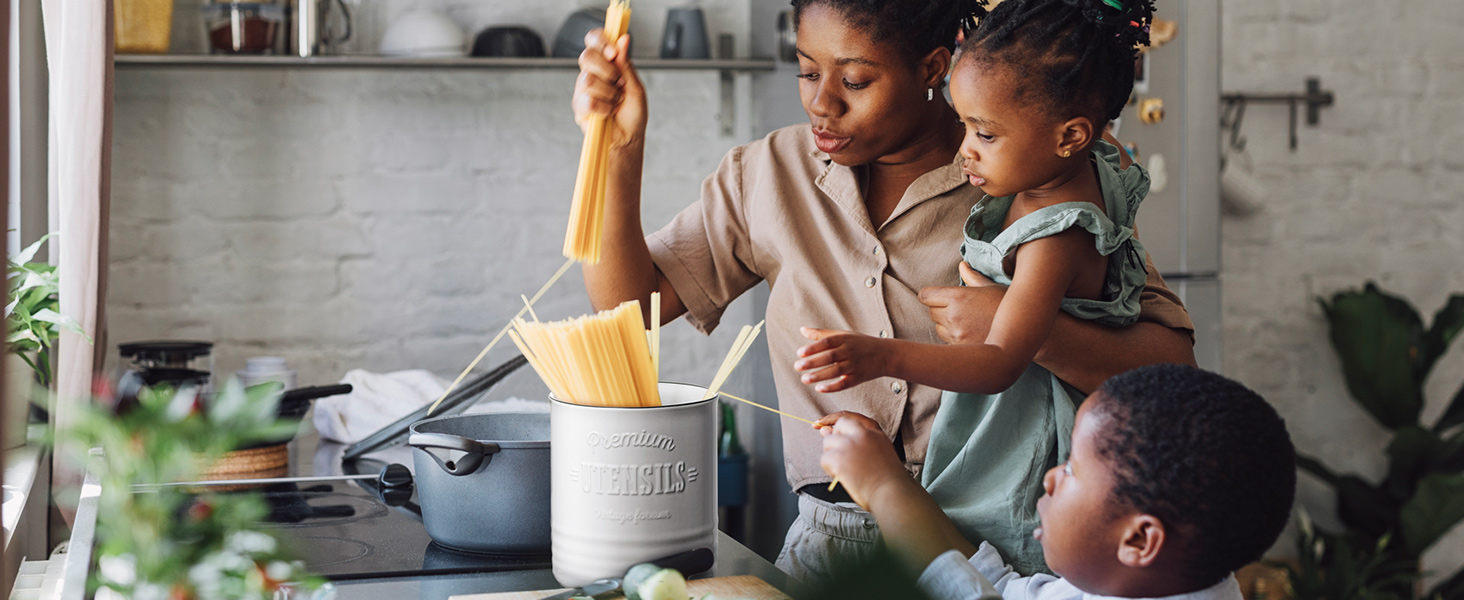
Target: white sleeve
x,y
951,577
986,575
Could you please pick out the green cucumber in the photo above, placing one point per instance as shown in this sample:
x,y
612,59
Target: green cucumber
x,y
636,576
666,584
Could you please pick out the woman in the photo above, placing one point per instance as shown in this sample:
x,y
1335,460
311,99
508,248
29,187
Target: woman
x,y
853,220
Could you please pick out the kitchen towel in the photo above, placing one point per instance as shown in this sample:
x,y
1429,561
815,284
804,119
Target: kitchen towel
x,y
379,399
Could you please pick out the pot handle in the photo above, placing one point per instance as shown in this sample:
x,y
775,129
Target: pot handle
x,y
476,453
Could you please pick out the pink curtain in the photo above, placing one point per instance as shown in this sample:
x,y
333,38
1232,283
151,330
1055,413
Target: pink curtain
x,y
79,54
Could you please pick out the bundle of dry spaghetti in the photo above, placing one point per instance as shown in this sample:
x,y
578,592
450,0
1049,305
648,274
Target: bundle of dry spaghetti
x,y
602,359
587,213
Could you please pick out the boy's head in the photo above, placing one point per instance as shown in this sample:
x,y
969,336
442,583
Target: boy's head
x,y
1177,476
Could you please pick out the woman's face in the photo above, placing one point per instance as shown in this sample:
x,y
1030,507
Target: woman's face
x,y
865,100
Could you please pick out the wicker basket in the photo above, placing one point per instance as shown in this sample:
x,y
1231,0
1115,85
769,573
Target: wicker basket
x,y
254,463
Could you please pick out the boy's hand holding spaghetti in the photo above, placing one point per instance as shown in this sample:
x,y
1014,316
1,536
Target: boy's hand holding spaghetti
x,y
859,454
839,360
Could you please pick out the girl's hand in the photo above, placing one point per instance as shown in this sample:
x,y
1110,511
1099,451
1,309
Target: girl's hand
x,y
840,359
861,458
608,85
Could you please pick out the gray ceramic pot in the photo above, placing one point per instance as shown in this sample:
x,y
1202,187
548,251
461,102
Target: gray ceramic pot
x,y
483,481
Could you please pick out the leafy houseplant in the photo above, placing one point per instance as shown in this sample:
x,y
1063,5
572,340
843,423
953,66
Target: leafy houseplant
x,y
1387,354
31,321
175,543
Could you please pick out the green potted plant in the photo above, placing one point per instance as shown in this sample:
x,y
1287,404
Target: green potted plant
x,y
1387,354
175,543
32,325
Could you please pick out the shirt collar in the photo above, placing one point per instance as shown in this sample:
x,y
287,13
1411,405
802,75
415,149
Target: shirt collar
x,y
1227,589
930,185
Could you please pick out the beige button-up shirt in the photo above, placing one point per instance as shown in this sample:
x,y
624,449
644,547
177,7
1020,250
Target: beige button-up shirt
x,y
780,210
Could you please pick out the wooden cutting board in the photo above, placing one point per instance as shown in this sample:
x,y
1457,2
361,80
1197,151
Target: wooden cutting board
x,y
742,587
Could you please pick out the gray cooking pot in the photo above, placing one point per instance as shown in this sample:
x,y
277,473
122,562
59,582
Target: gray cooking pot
x,y
483,481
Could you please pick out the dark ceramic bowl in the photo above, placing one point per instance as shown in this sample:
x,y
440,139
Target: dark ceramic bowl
x,y
512,41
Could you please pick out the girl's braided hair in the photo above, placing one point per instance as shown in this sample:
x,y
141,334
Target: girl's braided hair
x,y
1074,56
916,27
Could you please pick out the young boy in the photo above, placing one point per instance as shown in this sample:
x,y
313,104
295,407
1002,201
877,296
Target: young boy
x,y
1177,477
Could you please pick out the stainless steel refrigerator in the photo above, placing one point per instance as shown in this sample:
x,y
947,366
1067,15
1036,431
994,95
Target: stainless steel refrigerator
x,y
1179,223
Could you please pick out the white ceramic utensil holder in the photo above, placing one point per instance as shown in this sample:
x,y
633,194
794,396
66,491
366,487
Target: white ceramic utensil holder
x,y
631,485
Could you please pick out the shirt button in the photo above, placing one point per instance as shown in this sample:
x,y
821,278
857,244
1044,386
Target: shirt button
x,y
896,387
883,333
869,281
876,250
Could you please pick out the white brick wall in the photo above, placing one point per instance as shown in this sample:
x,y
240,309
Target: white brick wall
x,y
383,219
1376,192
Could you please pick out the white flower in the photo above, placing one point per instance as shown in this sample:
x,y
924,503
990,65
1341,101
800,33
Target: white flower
x,y
151,591
250,542
207,579
120,570
280,571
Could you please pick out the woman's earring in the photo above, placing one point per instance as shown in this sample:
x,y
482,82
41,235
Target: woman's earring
x,y
929,94
1067,153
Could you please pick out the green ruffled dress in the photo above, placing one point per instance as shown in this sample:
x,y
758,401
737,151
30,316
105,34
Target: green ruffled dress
x,y
988,453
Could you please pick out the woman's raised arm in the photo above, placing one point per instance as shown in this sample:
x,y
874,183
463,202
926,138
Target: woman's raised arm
x,y
609,85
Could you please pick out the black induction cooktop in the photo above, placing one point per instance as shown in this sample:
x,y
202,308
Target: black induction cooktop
x,y
344,530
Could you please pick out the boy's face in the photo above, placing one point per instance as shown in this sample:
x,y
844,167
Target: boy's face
x,y
1009,147
1081,527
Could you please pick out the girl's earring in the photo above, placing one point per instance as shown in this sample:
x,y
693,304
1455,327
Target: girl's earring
x,y
1067,153
929,94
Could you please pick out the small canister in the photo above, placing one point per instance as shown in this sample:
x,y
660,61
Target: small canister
x,y
631,485
261,369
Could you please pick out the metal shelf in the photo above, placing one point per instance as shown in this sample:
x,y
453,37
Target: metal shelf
x,y
387,62
726,68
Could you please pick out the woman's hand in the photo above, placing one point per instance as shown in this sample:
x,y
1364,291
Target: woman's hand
x,y
962,315
860,457
840,359
608,85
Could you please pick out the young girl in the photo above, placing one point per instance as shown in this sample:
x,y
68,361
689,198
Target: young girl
x,y
1034,86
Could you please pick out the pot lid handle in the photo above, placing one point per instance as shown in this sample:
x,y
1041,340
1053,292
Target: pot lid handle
x,y
476,453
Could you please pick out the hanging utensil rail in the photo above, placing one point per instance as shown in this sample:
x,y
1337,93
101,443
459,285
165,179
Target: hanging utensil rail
x,y
1232,110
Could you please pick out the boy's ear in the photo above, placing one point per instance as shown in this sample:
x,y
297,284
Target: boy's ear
x,y
1074,135
1143,539
934,66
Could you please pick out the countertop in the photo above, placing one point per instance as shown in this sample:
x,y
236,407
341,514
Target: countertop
x,y
311,456
732,559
